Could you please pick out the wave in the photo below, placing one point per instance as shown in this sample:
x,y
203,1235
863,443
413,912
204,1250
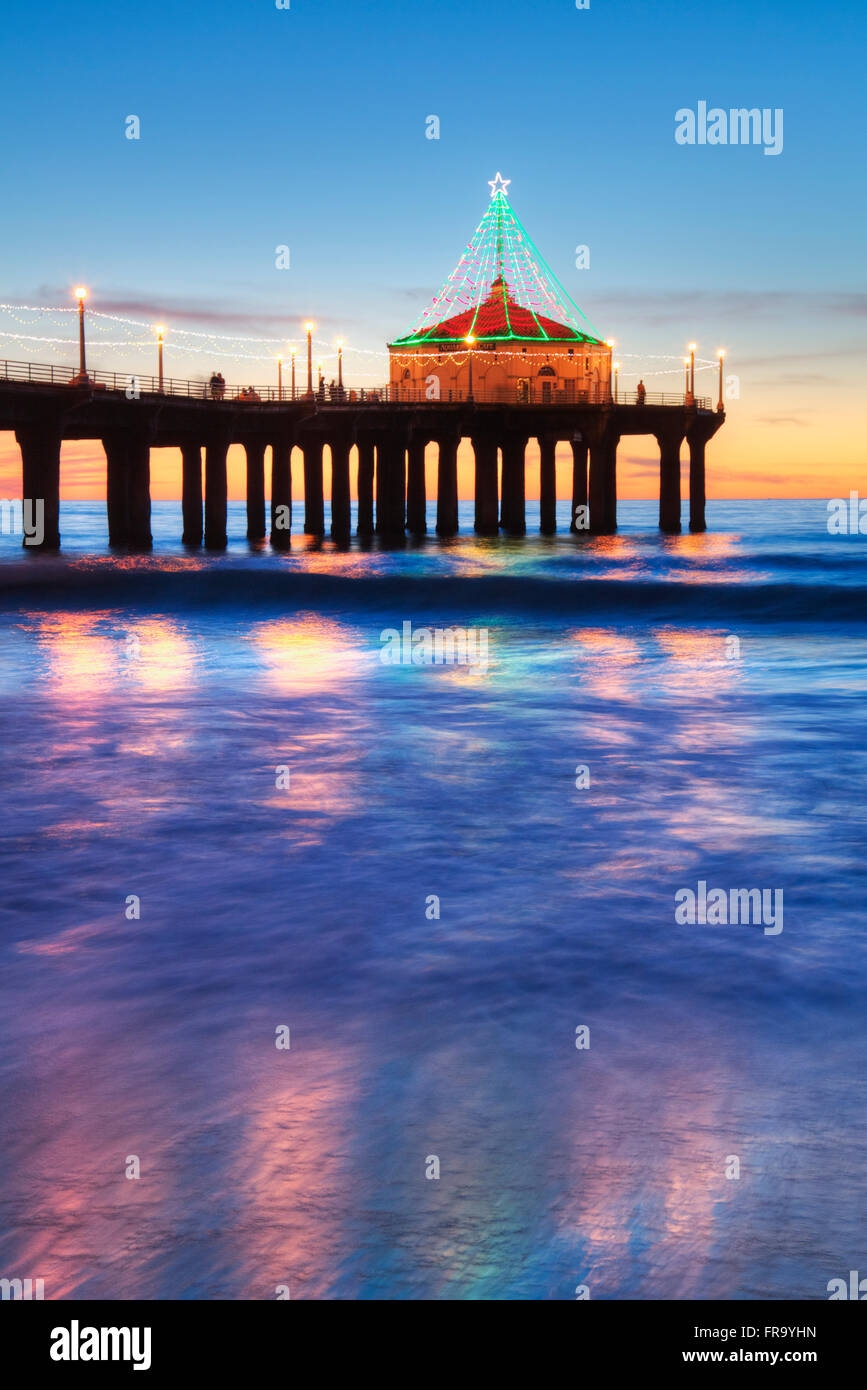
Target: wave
x,y
56,584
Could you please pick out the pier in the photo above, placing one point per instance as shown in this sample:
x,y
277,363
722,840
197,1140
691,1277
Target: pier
x,y
390,427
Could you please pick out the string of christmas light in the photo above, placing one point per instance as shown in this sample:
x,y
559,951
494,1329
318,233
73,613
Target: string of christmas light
x,y
460,359
227,347
98,320
501,266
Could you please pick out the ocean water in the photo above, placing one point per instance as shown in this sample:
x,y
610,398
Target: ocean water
x,y
713,689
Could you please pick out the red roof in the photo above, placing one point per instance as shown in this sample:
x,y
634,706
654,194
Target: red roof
x,y
499,316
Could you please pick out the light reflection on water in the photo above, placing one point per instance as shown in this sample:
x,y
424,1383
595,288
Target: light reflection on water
x,y
147,767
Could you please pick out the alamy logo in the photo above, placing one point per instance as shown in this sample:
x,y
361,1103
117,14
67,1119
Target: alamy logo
x,y
857,1288
76,1343
737,907
737,126
847,518
25,518
434,646
22,1288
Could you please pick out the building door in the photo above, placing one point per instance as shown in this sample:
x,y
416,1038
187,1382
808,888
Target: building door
x,y
547,381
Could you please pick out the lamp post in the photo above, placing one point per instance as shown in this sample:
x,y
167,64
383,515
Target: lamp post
x,y
720,352
279,377
160,330
81,296
292,352
686,377
308,329
692,347
319,377
610,343
340,366
469,341
616,375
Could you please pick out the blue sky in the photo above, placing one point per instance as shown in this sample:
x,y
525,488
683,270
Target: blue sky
x,y
306,127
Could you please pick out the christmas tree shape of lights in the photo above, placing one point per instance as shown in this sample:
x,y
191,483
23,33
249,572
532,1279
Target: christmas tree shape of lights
x,y
500,290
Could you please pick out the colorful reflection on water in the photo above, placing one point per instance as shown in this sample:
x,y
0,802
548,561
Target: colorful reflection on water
x,y
141,760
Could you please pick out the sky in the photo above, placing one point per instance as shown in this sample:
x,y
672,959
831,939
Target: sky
x,y
305,127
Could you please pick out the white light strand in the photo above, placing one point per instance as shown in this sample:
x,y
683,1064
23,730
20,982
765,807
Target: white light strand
x,y
207,343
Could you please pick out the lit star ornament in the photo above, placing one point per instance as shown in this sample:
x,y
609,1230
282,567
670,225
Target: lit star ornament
x,y
499,185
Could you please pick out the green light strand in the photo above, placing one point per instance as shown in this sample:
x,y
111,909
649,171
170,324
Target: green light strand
x,y
500,201
481,285
553,277
520,269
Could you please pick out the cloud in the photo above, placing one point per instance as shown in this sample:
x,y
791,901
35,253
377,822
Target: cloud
x,y
404,292
795,379
669,306
781,420
133,304
638,465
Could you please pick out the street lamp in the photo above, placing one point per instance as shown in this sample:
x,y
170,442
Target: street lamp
x,y
340,365
292,352
308,329
720,352
469,342
279,377
81,295
610,343
160,330
686,376
616,374
692,347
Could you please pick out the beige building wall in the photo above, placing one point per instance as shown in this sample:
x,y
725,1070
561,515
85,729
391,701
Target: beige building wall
x,y
538,369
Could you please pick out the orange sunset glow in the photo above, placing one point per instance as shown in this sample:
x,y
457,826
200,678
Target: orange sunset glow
x,y
816,454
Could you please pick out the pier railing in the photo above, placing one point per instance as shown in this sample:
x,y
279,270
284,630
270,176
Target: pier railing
x,y
531,392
